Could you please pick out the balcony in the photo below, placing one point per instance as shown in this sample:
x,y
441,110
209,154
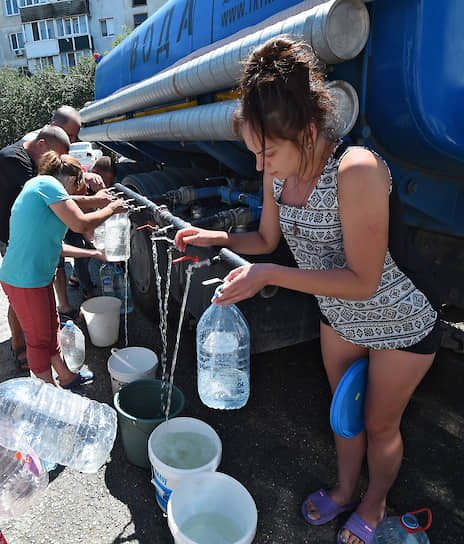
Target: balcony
x,y
42,48
56,10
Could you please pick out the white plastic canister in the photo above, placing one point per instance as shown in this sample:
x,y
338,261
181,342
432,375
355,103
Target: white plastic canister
x,y
130,364
165,477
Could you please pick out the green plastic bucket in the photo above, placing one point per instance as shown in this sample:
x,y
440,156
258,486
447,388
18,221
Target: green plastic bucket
x,y
138,406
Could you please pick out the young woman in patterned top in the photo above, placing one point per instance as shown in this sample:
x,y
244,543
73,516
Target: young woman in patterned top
x,y
331,203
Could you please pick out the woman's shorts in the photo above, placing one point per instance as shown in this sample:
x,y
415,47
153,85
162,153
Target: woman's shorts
x,y
428,345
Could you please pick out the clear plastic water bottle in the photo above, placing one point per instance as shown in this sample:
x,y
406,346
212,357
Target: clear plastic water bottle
x,y
403,530
99,237
23,479
117,237
120,290
107,275
73,345
56,424
223,357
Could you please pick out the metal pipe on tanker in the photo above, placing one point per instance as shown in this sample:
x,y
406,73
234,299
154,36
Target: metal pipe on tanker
x,y
163,217
211,122
337,31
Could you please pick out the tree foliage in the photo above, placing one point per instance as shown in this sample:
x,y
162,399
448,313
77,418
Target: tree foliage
x,y
27,102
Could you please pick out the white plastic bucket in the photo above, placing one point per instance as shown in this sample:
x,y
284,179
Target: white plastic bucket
x,y
211,494
130,364
165,477
101,315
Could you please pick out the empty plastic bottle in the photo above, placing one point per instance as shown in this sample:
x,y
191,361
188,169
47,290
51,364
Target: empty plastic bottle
x,y
56,424
107,274
120,290
117,237
99,237
23,479
223,357
403,530
73,345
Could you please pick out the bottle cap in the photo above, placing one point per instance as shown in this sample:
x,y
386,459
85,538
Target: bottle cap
x,y
69,323
409,521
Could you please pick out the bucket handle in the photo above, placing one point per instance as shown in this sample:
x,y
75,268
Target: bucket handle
x,y
420,528
114,351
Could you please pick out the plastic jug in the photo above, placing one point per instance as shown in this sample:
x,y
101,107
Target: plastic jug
x,y
56,424
23,478
403,530
120,290
117,237
99,237
107,275
73,345
223,357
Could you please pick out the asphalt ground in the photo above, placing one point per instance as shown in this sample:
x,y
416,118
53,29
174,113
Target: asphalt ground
x,y
279,446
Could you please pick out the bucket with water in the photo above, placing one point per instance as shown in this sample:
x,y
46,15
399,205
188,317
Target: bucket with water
x,y
131,364
178,449
212,507
138,405
101,316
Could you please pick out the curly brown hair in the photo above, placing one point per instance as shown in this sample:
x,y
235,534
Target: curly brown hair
x,y
62,167
282,92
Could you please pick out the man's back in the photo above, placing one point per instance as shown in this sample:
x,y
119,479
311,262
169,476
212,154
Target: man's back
x,y
16,167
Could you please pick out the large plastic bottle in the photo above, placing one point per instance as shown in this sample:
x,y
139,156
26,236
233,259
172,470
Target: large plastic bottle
x,y
23,479
223,357
99,237
107,275
56,424
117,237
120,290
73,345
403,530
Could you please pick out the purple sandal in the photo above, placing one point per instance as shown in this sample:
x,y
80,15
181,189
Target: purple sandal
x,y
328,509
359,528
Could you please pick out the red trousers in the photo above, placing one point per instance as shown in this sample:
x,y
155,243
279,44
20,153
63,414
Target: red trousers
x,y
36,312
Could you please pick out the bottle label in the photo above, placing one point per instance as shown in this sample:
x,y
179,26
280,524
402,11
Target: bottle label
x,y
107,284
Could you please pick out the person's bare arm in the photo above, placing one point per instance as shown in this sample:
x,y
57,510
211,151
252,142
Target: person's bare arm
x,y
265,240
90,202
72,216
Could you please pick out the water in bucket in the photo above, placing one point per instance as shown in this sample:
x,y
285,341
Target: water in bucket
x,y
212,528
185,450
212,508
179,448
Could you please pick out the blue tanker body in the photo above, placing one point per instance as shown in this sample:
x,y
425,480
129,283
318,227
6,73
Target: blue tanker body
x,y
177,29
410,87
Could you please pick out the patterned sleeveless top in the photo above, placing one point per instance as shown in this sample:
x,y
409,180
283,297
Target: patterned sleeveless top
x,y
397,316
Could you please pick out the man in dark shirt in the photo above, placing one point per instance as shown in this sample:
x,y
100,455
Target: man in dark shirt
x,y
18,164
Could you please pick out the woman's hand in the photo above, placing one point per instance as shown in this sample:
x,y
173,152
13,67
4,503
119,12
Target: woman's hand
x,y
99,254
194,236
243,282
117,206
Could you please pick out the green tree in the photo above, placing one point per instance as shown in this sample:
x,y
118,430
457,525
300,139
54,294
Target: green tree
x,y
27,102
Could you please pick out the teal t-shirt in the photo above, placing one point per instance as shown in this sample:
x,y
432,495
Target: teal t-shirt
x,y
36,234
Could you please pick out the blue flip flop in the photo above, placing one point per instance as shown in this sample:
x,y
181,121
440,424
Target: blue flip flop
x,y
82,377
359,528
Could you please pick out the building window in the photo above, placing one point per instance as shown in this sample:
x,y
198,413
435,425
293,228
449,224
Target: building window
x,y
11,7
39,30
25,3
139,18
107,27
136,3
17,42
43,62
68,60
75,26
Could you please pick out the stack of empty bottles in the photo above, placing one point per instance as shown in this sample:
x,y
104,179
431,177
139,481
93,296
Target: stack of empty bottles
x,y
39,421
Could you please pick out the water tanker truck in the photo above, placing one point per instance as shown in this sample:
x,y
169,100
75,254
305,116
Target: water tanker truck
x,y
165,96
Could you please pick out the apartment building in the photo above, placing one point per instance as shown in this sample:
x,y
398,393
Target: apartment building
x,y
37,33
